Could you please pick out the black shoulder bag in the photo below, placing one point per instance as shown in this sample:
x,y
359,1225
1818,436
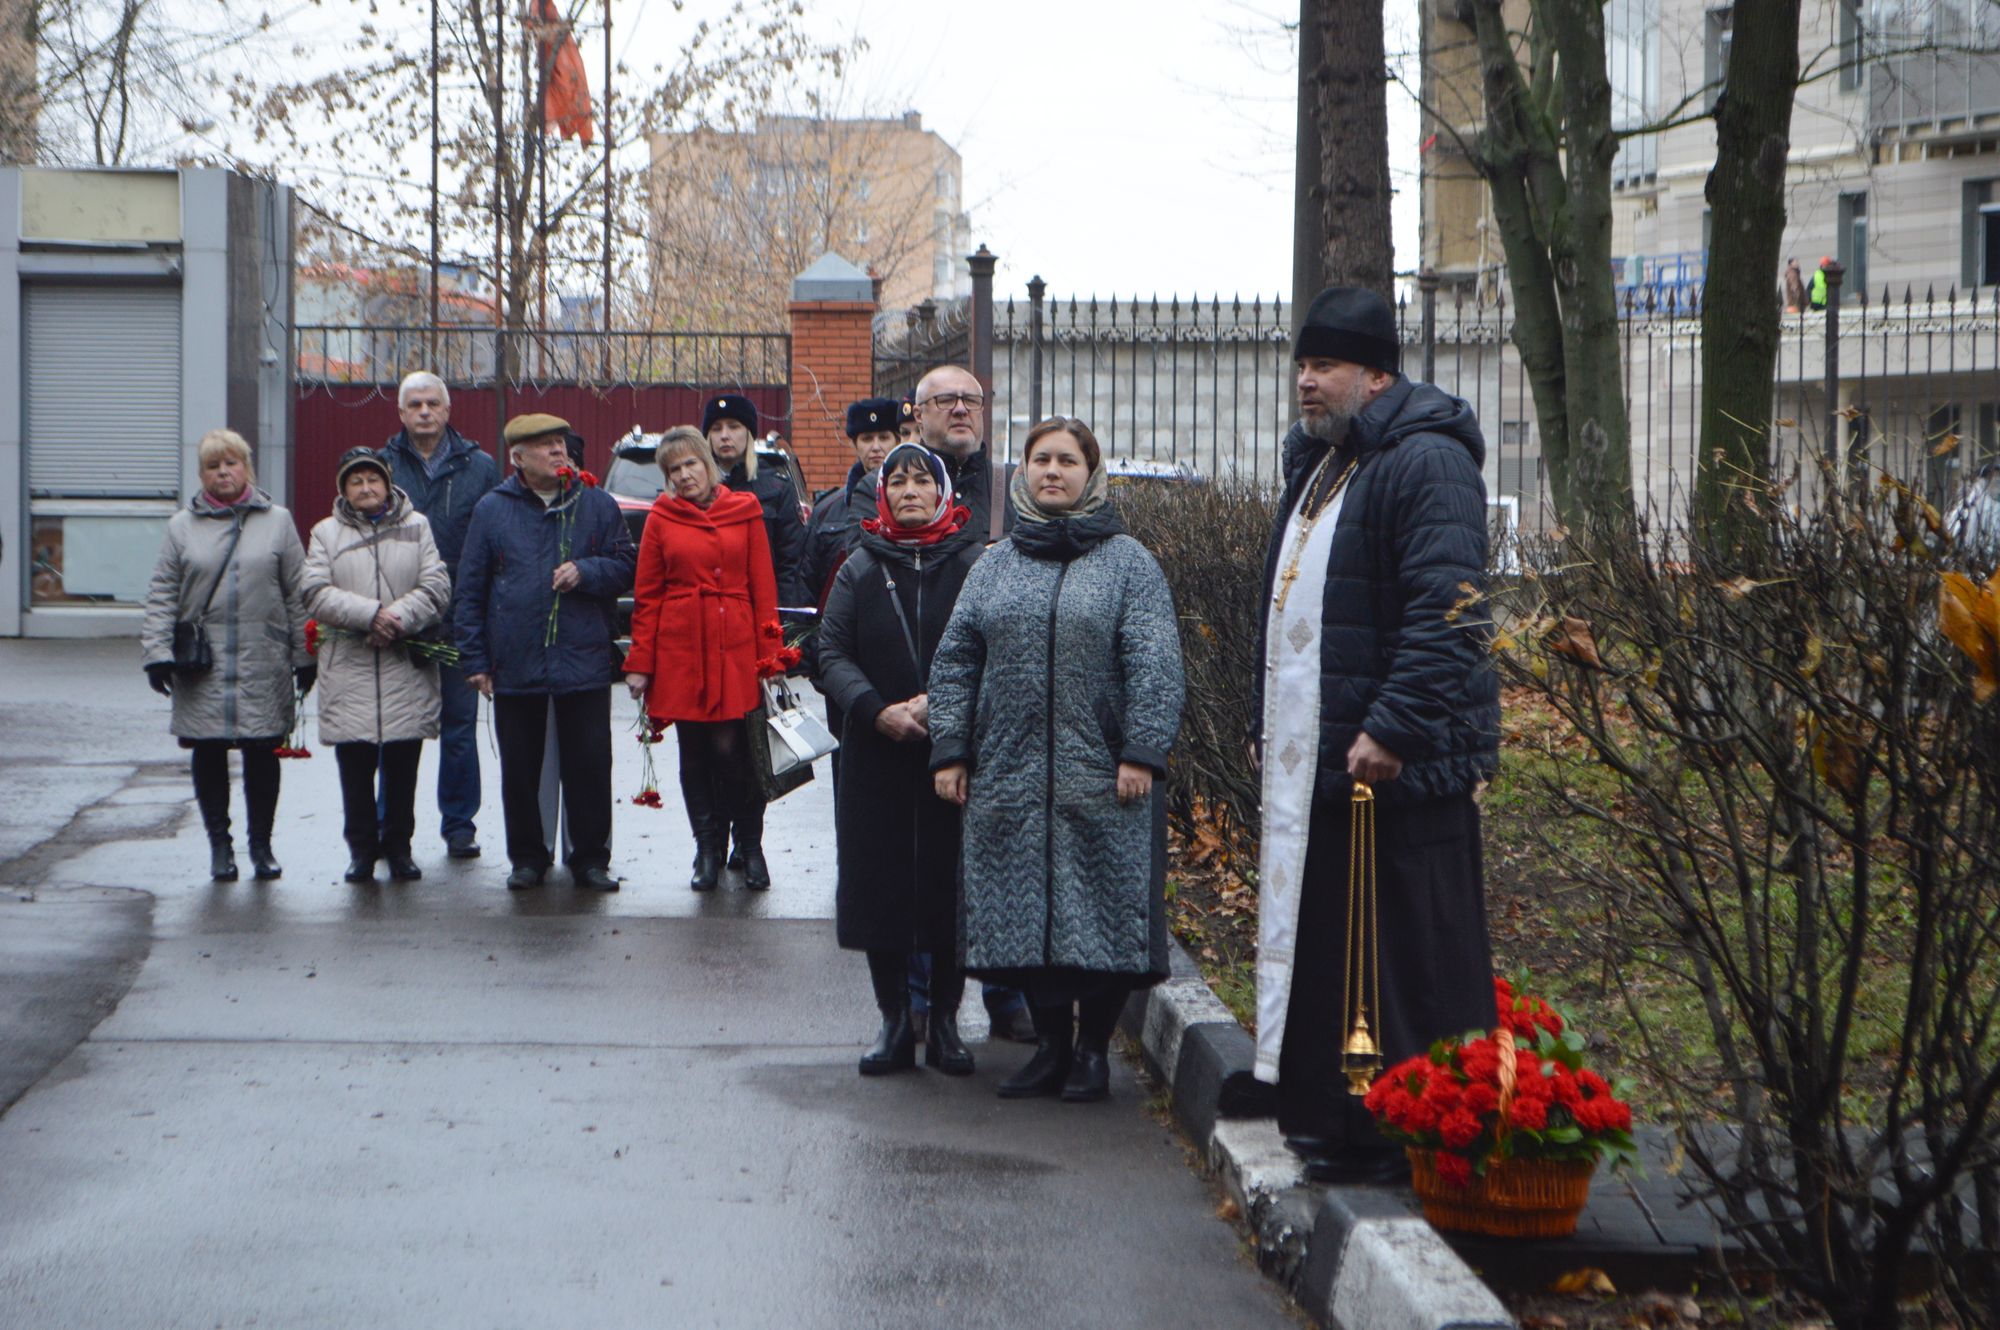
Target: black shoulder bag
x,y
192,652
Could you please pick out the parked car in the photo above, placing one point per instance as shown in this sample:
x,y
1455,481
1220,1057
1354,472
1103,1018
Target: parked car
x,y
634,480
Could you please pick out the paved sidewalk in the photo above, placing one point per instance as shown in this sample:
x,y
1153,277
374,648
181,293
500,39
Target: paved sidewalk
x,y
445,1104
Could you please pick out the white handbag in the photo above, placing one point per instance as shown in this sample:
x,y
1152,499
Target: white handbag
x,y
796,735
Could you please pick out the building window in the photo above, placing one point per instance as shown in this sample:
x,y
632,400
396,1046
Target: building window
x,y
1715,54
1519,470
1853,243
1632,62
861,231
1941,470
1980,232
1850,44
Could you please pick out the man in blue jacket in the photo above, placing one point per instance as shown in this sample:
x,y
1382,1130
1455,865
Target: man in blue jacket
x,y
545,560
446,475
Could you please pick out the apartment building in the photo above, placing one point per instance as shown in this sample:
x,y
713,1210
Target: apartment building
x,y
735,215
1894,170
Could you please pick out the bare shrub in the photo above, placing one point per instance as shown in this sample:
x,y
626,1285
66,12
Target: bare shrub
x,y
1808,803
1210,540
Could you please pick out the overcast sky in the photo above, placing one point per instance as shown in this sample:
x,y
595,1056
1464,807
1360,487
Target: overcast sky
x,y
1112,146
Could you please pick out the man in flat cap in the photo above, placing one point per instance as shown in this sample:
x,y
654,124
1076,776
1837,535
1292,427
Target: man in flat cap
x,y
446,475
1375,670
546,559
730,424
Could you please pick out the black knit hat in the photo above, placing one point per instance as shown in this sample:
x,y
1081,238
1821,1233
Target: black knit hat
x,y
1350,323
873,415
359,457
729,407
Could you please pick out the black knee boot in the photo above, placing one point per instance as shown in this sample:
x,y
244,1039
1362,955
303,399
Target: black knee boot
x,y
749,830
698,795
943,1049
895,1046
260,801
209,764
1043,1074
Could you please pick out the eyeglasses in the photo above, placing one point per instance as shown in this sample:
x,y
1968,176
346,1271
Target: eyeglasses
x,y
953,401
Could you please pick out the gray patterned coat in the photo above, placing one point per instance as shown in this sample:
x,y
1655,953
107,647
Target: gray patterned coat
x,y
1051,672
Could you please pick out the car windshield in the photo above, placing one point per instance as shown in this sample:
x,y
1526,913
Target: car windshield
x,y
633,479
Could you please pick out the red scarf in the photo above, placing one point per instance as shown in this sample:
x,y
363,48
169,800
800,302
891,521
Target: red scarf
x,y
949,519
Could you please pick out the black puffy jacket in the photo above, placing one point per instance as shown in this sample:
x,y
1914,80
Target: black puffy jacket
x,y
783,524
1403,656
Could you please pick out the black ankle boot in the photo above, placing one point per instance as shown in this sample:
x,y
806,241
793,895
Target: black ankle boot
x,y
707,862
895,1046
266,868
221,859
756,873
402,867
1089,1078
1043,1075
943,1049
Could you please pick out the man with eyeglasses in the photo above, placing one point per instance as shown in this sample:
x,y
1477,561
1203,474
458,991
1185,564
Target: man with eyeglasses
x,y
951,418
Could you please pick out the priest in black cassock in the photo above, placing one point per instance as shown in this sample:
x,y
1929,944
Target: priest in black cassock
x,y
1375,668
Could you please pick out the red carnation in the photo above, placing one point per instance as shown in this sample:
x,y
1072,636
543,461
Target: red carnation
x,y
589,480
1454,1169
1459,1129
1528,1114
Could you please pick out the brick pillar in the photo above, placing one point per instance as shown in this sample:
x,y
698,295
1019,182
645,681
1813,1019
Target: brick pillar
x,y
833,363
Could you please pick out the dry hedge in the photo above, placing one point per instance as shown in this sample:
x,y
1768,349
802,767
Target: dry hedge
x,y
1210,539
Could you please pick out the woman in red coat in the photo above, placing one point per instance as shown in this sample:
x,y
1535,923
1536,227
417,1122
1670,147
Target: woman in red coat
x,y
705,610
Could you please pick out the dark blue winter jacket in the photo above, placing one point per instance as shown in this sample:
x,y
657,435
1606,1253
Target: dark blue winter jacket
x,y
501,609
1404,655
464,475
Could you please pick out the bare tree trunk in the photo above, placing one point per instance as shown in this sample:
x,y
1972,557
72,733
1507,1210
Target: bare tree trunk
x,y
1354,147
1600,433
1308,192
1545,152
1739,319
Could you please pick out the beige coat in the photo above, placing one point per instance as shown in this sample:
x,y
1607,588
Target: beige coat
x,y
354,568
256,621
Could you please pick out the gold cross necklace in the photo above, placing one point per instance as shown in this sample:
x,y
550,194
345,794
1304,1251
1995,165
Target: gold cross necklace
x,y
1314,505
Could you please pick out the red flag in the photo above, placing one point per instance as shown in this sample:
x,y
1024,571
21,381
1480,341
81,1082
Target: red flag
x,y
566,99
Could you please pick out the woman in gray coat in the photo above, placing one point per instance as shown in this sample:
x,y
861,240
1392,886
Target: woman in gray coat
x,y
231,564
374,580
1055,696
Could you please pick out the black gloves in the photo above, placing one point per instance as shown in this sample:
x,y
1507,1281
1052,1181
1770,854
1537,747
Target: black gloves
x,y
306,676
160,674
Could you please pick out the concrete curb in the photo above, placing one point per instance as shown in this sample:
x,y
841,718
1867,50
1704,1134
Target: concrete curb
x,y
1356,1258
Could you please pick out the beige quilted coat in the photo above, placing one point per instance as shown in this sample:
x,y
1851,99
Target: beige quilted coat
x,y
355,567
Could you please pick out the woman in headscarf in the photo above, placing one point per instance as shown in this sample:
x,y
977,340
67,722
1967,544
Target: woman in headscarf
x,y
1055,697
897,890
704,613
374,579
230,570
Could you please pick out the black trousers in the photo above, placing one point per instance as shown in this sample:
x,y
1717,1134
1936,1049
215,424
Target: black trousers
x,y
397,762
583,758
208,761
1436,958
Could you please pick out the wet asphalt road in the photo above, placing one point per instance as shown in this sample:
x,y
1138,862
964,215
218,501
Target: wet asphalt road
x,y
445,1104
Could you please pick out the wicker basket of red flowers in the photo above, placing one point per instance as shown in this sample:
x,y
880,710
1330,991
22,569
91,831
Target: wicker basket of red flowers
x,y
1505,1129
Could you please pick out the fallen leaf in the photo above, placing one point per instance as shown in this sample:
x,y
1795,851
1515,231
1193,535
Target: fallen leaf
x,y
1962,616
1948,444
1573,638
1588,1280
1544,1322
1228,1211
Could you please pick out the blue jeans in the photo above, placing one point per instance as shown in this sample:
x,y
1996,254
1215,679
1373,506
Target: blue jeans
x,y
458,753
1001,1003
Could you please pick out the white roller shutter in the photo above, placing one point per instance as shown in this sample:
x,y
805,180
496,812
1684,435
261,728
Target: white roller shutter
x,y
103,390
